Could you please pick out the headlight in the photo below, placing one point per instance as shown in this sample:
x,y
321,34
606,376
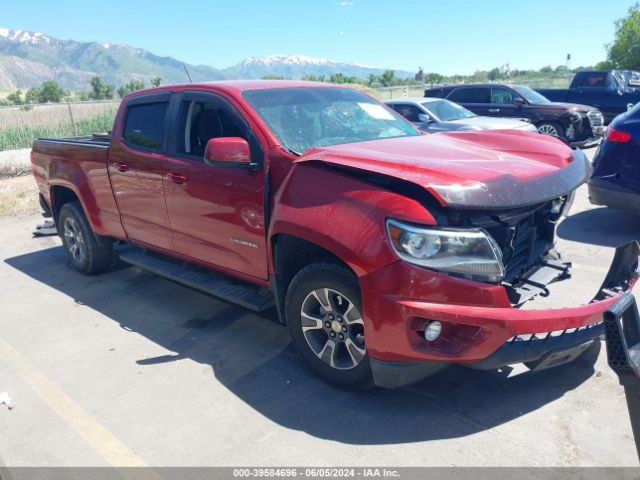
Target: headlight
x,y
575,116
470,253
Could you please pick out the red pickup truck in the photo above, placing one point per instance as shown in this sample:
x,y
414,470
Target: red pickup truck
x,y
389,254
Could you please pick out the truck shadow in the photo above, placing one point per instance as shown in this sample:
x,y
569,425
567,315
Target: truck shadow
x,y
601,226
252,356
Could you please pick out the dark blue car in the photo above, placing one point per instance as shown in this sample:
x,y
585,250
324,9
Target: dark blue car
x,y
616,166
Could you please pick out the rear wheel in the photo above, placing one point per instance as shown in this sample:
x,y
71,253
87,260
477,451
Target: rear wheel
x,y
324,316
86,253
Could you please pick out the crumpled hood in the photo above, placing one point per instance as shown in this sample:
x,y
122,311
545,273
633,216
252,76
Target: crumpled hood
x,y
485,169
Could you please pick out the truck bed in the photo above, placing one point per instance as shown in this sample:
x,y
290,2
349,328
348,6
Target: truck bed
x,y
100,140
78,165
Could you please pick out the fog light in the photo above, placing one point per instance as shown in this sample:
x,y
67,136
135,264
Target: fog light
x,y
432,331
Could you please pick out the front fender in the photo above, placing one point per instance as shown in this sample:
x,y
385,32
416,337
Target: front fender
x,y
342,213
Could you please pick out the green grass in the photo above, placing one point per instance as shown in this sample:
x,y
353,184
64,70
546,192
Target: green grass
x,y
23,136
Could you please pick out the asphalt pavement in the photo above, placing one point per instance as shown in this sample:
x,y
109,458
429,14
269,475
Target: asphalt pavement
x,y
127,368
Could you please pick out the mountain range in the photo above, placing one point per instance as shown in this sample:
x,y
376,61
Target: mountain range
x,y
29,58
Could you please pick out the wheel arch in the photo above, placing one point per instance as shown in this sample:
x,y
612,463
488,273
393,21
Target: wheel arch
x,y
290,254
61,195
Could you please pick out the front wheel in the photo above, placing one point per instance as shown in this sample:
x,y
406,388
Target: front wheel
x,y
324,316
551,129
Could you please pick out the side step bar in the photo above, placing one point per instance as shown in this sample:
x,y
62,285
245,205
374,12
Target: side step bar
x,y
209,282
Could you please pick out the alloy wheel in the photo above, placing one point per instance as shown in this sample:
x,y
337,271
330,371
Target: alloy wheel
x,y
74,240
547,129
333,328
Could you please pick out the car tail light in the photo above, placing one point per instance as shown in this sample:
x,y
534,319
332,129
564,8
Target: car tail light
x,y
614,135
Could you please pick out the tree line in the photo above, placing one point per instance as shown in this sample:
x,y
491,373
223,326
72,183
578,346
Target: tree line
x,y
50,92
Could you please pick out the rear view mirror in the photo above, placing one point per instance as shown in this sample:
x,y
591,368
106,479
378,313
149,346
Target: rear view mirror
x,y
228,152
424,117
517,101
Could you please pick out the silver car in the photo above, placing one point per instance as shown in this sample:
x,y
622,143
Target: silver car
x,y
440,115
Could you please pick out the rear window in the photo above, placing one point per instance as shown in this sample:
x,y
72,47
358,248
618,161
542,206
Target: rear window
x,y
144,126
591,79
470,95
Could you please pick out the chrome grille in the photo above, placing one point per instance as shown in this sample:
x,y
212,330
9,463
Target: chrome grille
x,y
595,118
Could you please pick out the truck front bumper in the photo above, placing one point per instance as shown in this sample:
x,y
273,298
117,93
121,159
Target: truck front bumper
x,y
480,327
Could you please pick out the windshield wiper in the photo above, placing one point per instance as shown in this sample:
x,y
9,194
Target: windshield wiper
x,y
287,148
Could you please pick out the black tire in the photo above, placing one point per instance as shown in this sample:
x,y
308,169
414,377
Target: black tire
x,y
547,127
341,290
86,252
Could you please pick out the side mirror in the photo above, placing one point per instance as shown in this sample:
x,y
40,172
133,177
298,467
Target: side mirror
x,y
425,118
517,101
228,152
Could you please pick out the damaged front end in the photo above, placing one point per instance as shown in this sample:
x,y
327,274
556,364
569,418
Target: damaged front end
x,y
551,347
526,237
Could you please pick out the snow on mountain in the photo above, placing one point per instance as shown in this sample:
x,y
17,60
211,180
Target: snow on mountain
x,y
22,36
296,66
35,57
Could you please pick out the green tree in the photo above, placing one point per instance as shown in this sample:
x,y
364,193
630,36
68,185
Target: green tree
x,y
388,78
32,95
494,74
100,90
156,81
624,52
50,92
15,98
373,79
132,86
433,78
604,65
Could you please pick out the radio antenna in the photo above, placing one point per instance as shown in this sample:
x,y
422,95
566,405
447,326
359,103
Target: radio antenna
x,y
187,72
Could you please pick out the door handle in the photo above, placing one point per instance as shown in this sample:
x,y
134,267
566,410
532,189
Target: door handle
x,y
494,110
177,178
120,166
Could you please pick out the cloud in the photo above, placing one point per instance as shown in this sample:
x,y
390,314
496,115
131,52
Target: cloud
x,y
345,3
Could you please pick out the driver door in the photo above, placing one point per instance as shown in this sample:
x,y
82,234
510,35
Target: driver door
x,y
216,213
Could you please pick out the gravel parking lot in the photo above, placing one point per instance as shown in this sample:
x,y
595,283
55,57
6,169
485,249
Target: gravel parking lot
x,y
130,369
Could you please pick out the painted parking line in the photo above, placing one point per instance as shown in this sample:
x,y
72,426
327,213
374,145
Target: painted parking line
x,y
105,443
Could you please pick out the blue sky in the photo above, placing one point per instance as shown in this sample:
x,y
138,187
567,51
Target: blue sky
x,y
450,36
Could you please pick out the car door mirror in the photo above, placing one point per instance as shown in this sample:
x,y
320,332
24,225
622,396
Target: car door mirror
x,y
425,118
517,101
228,152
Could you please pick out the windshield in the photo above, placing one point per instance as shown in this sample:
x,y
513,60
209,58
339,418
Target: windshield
x,y
447,111
302,118
530,95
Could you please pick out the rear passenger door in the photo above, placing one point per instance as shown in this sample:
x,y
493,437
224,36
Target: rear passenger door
x,y
475,99
137,165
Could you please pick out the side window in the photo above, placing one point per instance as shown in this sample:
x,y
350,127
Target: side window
x,y
470,95
144,125
203,121
409,112
501,96
592,79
